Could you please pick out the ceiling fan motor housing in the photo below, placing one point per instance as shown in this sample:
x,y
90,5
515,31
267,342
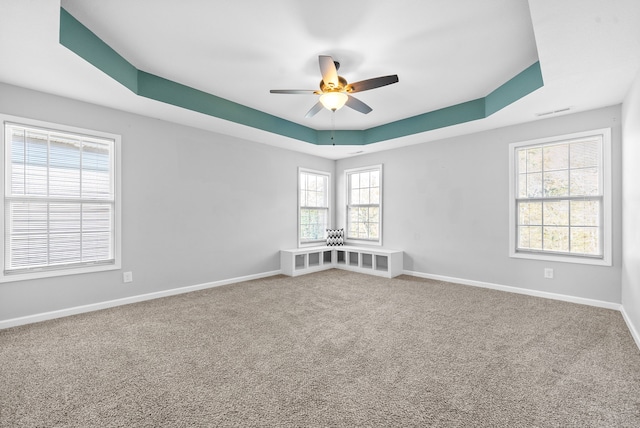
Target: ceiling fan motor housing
x,y
328,87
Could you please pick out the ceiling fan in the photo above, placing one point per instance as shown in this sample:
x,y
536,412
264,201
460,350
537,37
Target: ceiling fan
x,y
335,91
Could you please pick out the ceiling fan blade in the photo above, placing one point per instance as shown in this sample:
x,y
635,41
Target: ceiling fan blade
x,y
376,82
328,70
292,91
314,110
357,105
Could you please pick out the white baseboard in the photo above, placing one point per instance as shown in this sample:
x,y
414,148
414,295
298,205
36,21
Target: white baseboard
x,y
573,299
632,329
14,322
510,289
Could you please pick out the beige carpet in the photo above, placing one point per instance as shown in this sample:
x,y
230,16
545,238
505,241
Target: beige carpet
x,y
328,349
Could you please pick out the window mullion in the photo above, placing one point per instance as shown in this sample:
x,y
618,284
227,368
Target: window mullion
x,y
542,225
81,204
24,157
48,203
48,234
561,198
569,222
81,231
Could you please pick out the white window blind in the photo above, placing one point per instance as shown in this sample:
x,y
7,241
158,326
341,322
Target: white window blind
x,y
313,205
364,201
59,199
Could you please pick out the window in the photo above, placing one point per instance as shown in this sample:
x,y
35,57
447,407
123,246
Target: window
x,y
313,212
364,204
61,210
560,198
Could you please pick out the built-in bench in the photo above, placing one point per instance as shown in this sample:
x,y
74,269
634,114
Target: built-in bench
x,y
373,261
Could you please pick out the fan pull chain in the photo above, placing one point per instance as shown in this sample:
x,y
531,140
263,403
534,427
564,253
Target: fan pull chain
x,y
333,125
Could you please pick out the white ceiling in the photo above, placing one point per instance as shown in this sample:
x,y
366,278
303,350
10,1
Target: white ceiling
x,y
444,51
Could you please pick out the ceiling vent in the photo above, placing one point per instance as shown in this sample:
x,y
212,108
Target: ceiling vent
x,y
547,113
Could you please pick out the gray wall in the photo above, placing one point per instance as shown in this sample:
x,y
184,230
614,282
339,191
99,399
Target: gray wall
x,y
631,205
201,207
446,205
197,206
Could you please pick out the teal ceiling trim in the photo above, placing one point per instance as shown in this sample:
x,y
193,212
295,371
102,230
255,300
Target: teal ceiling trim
x,y
518,87
83,42
448,116
170,92
340,138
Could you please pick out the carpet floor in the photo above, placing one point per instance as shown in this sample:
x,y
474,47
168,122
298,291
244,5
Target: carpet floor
x,y
329,349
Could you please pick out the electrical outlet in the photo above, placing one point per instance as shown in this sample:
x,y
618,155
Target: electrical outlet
x,y
127,277
548,273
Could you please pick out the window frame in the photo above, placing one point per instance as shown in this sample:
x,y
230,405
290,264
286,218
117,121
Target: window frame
x,y
606,178
71,269
349,205
309,243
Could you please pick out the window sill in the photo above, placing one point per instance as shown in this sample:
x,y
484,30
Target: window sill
x,y
362,242
308,244
51,273
606,261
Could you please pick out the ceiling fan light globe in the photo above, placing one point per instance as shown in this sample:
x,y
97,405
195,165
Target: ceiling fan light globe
x,y
333,100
